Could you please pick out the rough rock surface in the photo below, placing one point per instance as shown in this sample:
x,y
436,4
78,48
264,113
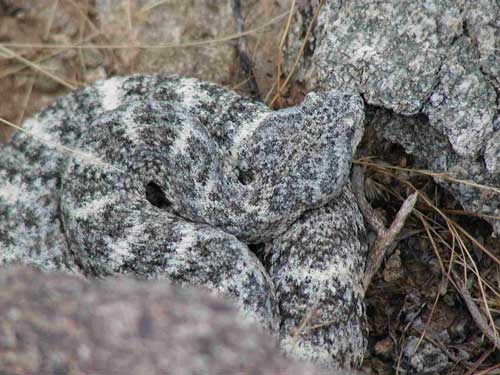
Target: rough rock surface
x,y
423,359
174,178
432,150
433,58
61,324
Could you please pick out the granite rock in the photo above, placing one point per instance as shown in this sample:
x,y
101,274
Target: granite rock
x,y
432,150
175,178
434,59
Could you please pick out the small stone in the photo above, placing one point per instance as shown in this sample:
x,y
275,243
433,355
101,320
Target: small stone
x,y
384,347
393,269
424,359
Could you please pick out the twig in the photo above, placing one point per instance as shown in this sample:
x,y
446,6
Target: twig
x,y
479,362
372,219
456,226
246,65
385,237
476,313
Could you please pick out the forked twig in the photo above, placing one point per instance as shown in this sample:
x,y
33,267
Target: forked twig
x,y
385,237
455,229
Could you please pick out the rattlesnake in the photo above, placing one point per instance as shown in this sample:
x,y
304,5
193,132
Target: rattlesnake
x,y
176,178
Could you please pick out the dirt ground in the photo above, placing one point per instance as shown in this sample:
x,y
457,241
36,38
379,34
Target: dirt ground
x,y
414,298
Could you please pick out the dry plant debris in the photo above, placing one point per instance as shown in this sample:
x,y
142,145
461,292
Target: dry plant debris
x,y
450,295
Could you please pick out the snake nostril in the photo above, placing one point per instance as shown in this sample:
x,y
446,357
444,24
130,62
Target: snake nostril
x,y
245,177
156,196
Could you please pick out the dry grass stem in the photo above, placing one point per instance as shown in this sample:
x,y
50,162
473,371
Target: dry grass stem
x,y
196,43
147,8
425,172
33,79
37,68
281,46
50,55
477,316
308,317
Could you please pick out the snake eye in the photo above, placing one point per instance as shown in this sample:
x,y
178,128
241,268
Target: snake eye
x,y
156,196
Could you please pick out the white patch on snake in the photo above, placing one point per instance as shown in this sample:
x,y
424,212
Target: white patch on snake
x,y
38,129
92,207
111,93
244,133
9,193
181,141
191,94
131,126
120,251
189,237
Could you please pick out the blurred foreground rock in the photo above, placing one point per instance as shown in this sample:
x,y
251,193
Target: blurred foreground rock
x,y
60,324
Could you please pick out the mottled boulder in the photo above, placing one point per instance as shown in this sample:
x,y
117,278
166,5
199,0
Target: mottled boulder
x,y
431,67
432,150
177,178
61,324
